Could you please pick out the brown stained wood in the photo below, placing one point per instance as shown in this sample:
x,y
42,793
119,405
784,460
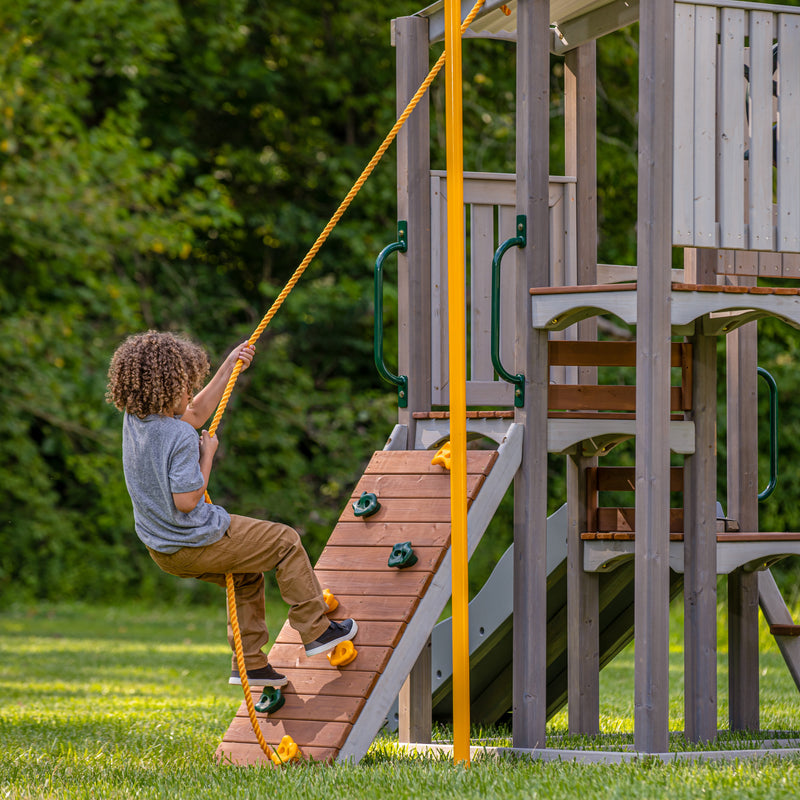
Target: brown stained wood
x,y
370,632
624,519
246,754
412,486
368,531
622,479
292,656
760,536
305,706
389,462
375,584
494,414
594,397
594,288
435,509
330,682
320,732
375,558
565,353
384,608
781,629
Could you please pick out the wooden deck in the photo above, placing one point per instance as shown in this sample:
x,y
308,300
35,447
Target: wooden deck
x,y
323,703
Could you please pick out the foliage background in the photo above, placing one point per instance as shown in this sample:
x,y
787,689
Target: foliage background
x,y
167,164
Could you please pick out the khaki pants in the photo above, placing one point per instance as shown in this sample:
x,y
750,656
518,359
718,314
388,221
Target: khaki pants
x,y
249,548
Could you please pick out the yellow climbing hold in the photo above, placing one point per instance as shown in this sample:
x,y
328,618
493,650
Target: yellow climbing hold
x,y
442,456
330,601
342,654
286,751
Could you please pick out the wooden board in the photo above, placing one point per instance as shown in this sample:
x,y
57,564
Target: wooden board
x,y
323,701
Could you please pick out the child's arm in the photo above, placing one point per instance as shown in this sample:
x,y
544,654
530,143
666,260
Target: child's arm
x,y
207,399
187,501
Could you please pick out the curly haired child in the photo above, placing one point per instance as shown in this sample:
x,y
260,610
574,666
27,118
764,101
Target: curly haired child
x,y
157,380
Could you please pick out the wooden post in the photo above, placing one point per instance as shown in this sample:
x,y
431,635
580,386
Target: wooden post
x,y
654,221
414,206
583,643
530,483
743,506
700,549
414,299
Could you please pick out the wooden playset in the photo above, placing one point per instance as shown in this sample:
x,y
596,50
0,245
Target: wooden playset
x,y
719,177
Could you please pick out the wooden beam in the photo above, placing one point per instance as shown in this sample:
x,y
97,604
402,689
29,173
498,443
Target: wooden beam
x,y
414,206
743,506
414,296
654,225
530,484
700,551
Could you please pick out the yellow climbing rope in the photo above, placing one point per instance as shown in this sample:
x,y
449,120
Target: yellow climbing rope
x,y
267,318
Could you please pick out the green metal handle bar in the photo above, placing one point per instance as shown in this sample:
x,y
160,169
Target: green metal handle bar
x,y
401,381
773,435
520,240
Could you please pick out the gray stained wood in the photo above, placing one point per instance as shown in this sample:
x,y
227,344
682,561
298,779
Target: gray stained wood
x,y
323,702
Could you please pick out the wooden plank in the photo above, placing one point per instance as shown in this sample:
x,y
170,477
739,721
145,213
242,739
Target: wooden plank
x,y
406,509
654,252
529,688
292,656
427,534
705,127
624,519
683,165
482,247
700,552
745,261
338,683
616,398
742,505
375,558
621,479
761,236
759,536
375,584
414,206
788,156
306,706
605,354
415,713
439,355
416,486
791,265
770,265
389,608
730,141
245,754
784,630
375,633
321,733
419,461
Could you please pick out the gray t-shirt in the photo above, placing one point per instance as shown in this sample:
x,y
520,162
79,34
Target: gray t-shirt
x,y
161,455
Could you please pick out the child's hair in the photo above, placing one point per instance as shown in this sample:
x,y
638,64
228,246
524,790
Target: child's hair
x,y
150,371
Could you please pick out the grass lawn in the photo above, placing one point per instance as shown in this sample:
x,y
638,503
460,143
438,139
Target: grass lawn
x,y
131,702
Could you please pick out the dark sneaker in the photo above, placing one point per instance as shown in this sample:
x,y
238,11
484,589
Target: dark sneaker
x,y
337,632
264,676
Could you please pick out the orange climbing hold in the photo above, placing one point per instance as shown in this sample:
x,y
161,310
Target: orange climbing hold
x,y
285,752
330,601
342,654
442,456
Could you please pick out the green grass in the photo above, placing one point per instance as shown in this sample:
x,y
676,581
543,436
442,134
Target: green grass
x,y
132,702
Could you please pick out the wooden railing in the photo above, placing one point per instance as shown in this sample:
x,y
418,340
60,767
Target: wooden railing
x,y
490,208
737,74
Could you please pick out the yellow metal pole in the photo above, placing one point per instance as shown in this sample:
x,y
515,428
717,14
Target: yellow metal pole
x,y
458,377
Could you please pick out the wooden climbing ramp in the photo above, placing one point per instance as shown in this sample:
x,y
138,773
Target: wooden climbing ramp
x,y
333,713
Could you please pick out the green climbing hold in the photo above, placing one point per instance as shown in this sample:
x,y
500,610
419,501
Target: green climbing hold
x,y
402,556
271,700
366,505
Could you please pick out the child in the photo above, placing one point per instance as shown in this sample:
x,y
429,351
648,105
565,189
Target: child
x,y
153,378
